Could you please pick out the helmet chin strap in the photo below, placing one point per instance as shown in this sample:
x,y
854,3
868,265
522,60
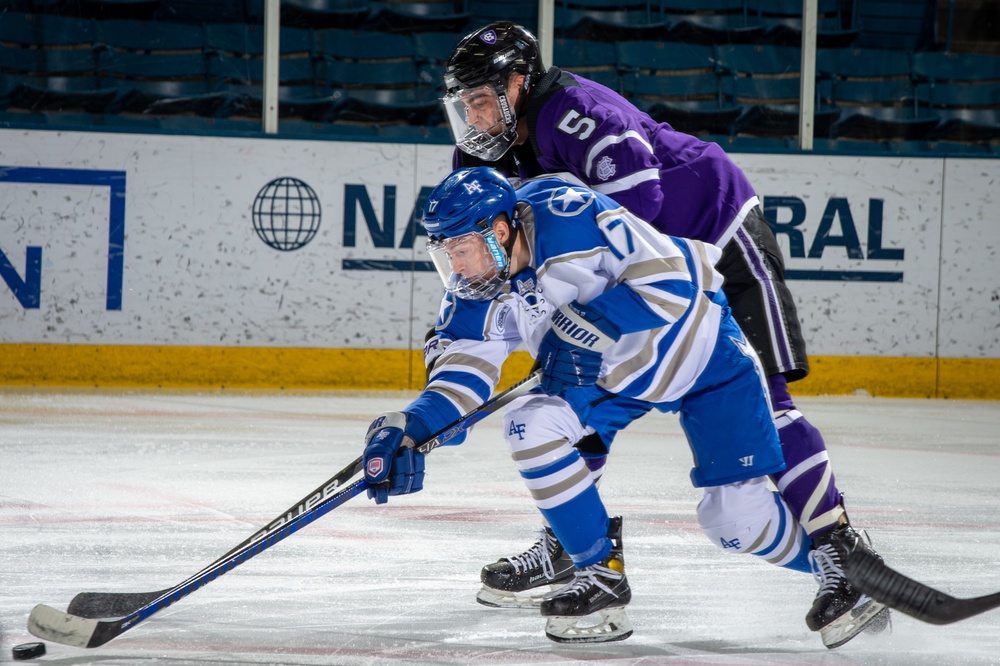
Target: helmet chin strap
x,y
516,111
511,112
522,98
508,246
508,113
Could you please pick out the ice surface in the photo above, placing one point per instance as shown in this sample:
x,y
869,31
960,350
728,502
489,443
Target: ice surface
x,y
136,491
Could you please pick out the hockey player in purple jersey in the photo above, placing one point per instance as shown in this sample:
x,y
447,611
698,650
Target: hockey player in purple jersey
x,y
622,319
507,110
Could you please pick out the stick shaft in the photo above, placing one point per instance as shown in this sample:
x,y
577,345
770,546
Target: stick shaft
x,y
117,604
74,629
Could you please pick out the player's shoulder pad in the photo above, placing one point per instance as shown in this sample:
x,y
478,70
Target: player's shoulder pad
x,y
565,216
563,196
583,98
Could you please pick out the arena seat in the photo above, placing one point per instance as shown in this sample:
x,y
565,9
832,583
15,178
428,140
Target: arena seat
x,y
147,66
884,123
608,20
782,22
175,98
46,30
48,62
713,29
907,25
109,9
197,12
944,67
967,125
62,93
862,63
584,55
435,48
411,17
316,14
698,116
665,57
245,71
412,106
774,109
247,41
339,44
522,12
707,6
113,35
366,74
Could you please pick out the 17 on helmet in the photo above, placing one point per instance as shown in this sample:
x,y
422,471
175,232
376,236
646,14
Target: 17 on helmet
x,y
482,119
458,217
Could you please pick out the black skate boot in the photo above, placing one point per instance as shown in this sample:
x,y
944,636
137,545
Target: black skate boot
x,y
840,612
520,581
600,588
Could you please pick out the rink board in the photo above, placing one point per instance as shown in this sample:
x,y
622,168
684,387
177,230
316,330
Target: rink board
x,y
133,260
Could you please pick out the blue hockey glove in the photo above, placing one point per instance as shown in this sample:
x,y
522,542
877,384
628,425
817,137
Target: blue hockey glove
x,y
570,353
391,465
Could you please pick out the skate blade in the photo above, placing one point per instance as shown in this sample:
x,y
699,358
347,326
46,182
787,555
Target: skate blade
x,y
880,623
494,598
604,626
849,625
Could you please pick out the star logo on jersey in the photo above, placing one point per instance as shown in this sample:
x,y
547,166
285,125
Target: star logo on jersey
x,y
569,201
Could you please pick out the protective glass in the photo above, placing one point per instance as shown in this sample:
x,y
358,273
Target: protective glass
x,y
472,266
481,121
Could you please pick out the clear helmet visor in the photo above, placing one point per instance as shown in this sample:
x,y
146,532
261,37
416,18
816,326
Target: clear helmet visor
x,y
473,266
481,121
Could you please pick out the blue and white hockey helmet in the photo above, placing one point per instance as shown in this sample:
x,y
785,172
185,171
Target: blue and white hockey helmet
x,y
458,216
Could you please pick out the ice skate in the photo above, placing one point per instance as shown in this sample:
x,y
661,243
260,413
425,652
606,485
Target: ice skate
x,y
591,607
839,612
520,581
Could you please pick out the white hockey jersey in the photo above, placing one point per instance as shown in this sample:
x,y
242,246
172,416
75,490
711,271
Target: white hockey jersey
x,y
661,292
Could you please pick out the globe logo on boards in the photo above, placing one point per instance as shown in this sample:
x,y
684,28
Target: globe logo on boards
x,y
286,214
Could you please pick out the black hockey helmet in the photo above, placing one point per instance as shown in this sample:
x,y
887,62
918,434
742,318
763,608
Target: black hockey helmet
x,y
491,54
482,119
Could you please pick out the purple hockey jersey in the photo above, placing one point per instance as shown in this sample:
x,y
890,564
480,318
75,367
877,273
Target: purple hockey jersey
x,y
682,185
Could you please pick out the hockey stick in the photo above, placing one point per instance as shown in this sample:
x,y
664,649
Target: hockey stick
x,y
872,577
71,629
118,604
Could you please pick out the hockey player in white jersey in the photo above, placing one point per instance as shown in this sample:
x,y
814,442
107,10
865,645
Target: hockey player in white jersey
x,y
622,320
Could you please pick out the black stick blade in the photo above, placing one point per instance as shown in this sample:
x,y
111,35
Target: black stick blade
x,y
869,573
110,604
